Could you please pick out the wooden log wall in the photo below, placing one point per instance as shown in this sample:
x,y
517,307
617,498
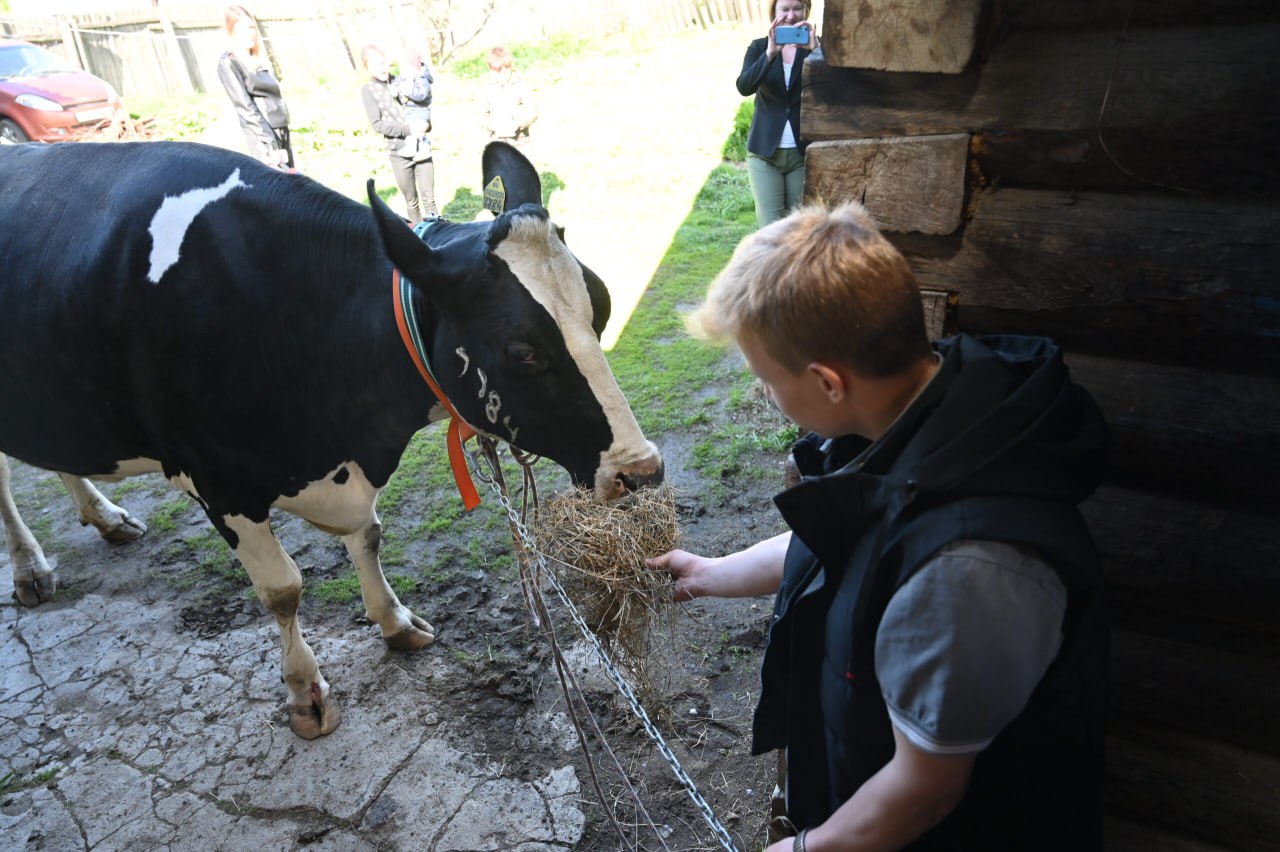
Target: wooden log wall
x,y
1118,190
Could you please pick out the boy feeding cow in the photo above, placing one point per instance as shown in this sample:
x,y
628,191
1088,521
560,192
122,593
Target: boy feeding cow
x,y
936,664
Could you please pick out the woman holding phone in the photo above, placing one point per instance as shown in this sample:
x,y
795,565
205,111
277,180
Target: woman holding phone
x,y
771,71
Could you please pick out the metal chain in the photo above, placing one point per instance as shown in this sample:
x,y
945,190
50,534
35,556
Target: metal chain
x,y
619,680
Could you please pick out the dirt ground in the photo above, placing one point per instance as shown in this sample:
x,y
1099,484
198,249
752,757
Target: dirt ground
x,y
488,667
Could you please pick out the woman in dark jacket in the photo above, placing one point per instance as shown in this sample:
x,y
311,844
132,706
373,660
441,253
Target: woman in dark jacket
x,y
416,178
245,72
775,152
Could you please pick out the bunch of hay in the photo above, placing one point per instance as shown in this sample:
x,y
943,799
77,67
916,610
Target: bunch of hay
x,y
598,552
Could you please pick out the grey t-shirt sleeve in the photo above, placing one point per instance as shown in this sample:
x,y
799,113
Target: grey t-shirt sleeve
x,y
964,642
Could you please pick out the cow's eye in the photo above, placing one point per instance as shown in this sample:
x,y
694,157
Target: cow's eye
x,y
523,355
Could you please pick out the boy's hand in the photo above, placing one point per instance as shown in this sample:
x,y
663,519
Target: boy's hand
x,y
684,568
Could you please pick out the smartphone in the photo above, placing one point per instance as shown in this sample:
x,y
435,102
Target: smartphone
x,y
791,35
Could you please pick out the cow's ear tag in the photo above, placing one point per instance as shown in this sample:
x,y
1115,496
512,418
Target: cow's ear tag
x,y
495,196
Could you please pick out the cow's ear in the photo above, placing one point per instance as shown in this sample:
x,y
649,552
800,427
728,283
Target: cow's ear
x,y
421,264
520,183
601,304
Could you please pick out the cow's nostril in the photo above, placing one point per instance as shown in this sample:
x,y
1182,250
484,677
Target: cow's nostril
x,y
632,481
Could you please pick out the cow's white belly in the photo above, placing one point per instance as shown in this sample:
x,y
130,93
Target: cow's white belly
x,y
340,509
128,468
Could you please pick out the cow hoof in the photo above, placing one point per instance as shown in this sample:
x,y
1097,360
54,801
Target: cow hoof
x,y
129,529
314,720
38,590
418,635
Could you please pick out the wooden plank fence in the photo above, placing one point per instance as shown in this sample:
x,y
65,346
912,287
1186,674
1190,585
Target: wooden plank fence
x,y
157,53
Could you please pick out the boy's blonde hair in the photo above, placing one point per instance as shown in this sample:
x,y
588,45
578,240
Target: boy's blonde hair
x,y
820,285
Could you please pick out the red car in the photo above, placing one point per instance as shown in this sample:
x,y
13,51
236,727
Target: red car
x,y
44,99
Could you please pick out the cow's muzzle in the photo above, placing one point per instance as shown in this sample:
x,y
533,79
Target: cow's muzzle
x,y
634,480
633,476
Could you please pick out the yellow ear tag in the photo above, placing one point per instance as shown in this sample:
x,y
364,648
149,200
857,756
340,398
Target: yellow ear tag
x,y
495,196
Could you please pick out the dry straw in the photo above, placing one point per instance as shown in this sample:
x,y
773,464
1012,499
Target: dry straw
x,y
598,552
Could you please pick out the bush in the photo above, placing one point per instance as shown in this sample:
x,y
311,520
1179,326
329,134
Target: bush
x,y
735,147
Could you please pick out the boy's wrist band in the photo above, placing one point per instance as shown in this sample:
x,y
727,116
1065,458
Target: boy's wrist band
x,y
798,844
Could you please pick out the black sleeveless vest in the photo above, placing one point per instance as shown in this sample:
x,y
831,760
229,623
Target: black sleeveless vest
x,y
861,530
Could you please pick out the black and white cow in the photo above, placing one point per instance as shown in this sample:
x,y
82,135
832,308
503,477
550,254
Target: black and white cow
x,y
178,308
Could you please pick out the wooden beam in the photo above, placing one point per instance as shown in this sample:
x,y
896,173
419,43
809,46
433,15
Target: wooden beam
x,y
1192,560
1196,689
1190,108
1212,163
1150,276
1184,427
1112,14
1195,786
1194,585
1125,834
925,35
908,183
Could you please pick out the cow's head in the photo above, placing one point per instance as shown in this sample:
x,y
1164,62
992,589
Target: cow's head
x,y
514,322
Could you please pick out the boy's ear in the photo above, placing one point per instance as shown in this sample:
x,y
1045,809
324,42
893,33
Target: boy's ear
x,y
833,378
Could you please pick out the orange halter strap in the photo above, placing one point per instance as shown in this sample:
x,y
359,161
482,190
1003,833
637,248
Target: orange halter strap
x,y
460,431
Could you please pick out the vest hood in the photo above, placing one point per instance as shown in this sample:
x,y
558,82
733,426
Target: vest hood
x,y
1000,417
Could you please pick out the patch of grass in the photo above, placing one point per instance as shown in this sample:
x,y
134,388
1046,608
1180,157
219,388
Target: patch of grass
x,y
213,554
435,572
12,783
204,555
164,517
401,584
136,485
340,590
41,527
346,589
527,56
735,147
464,207
392,549
423,467
656,361
175,116
438,523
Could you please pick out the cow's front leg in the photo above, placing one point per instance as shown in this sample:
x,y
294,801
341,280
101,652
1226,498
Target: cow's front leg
x,y
33,579
113,523
278,583
400,627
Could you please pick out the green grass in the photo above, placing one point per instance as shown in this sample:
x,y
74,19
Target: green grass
x,y
735,147
527,56
656,361
346,588
164,517
11,783
205,555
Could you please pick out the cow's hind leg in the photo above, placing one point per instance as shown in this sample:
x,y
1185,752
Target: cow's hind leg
x,y
400,627
33,580
278,583
113,523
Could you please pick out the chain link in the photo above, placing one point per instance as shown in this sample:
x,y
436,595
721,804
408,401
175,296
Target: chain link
x,y
619,680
